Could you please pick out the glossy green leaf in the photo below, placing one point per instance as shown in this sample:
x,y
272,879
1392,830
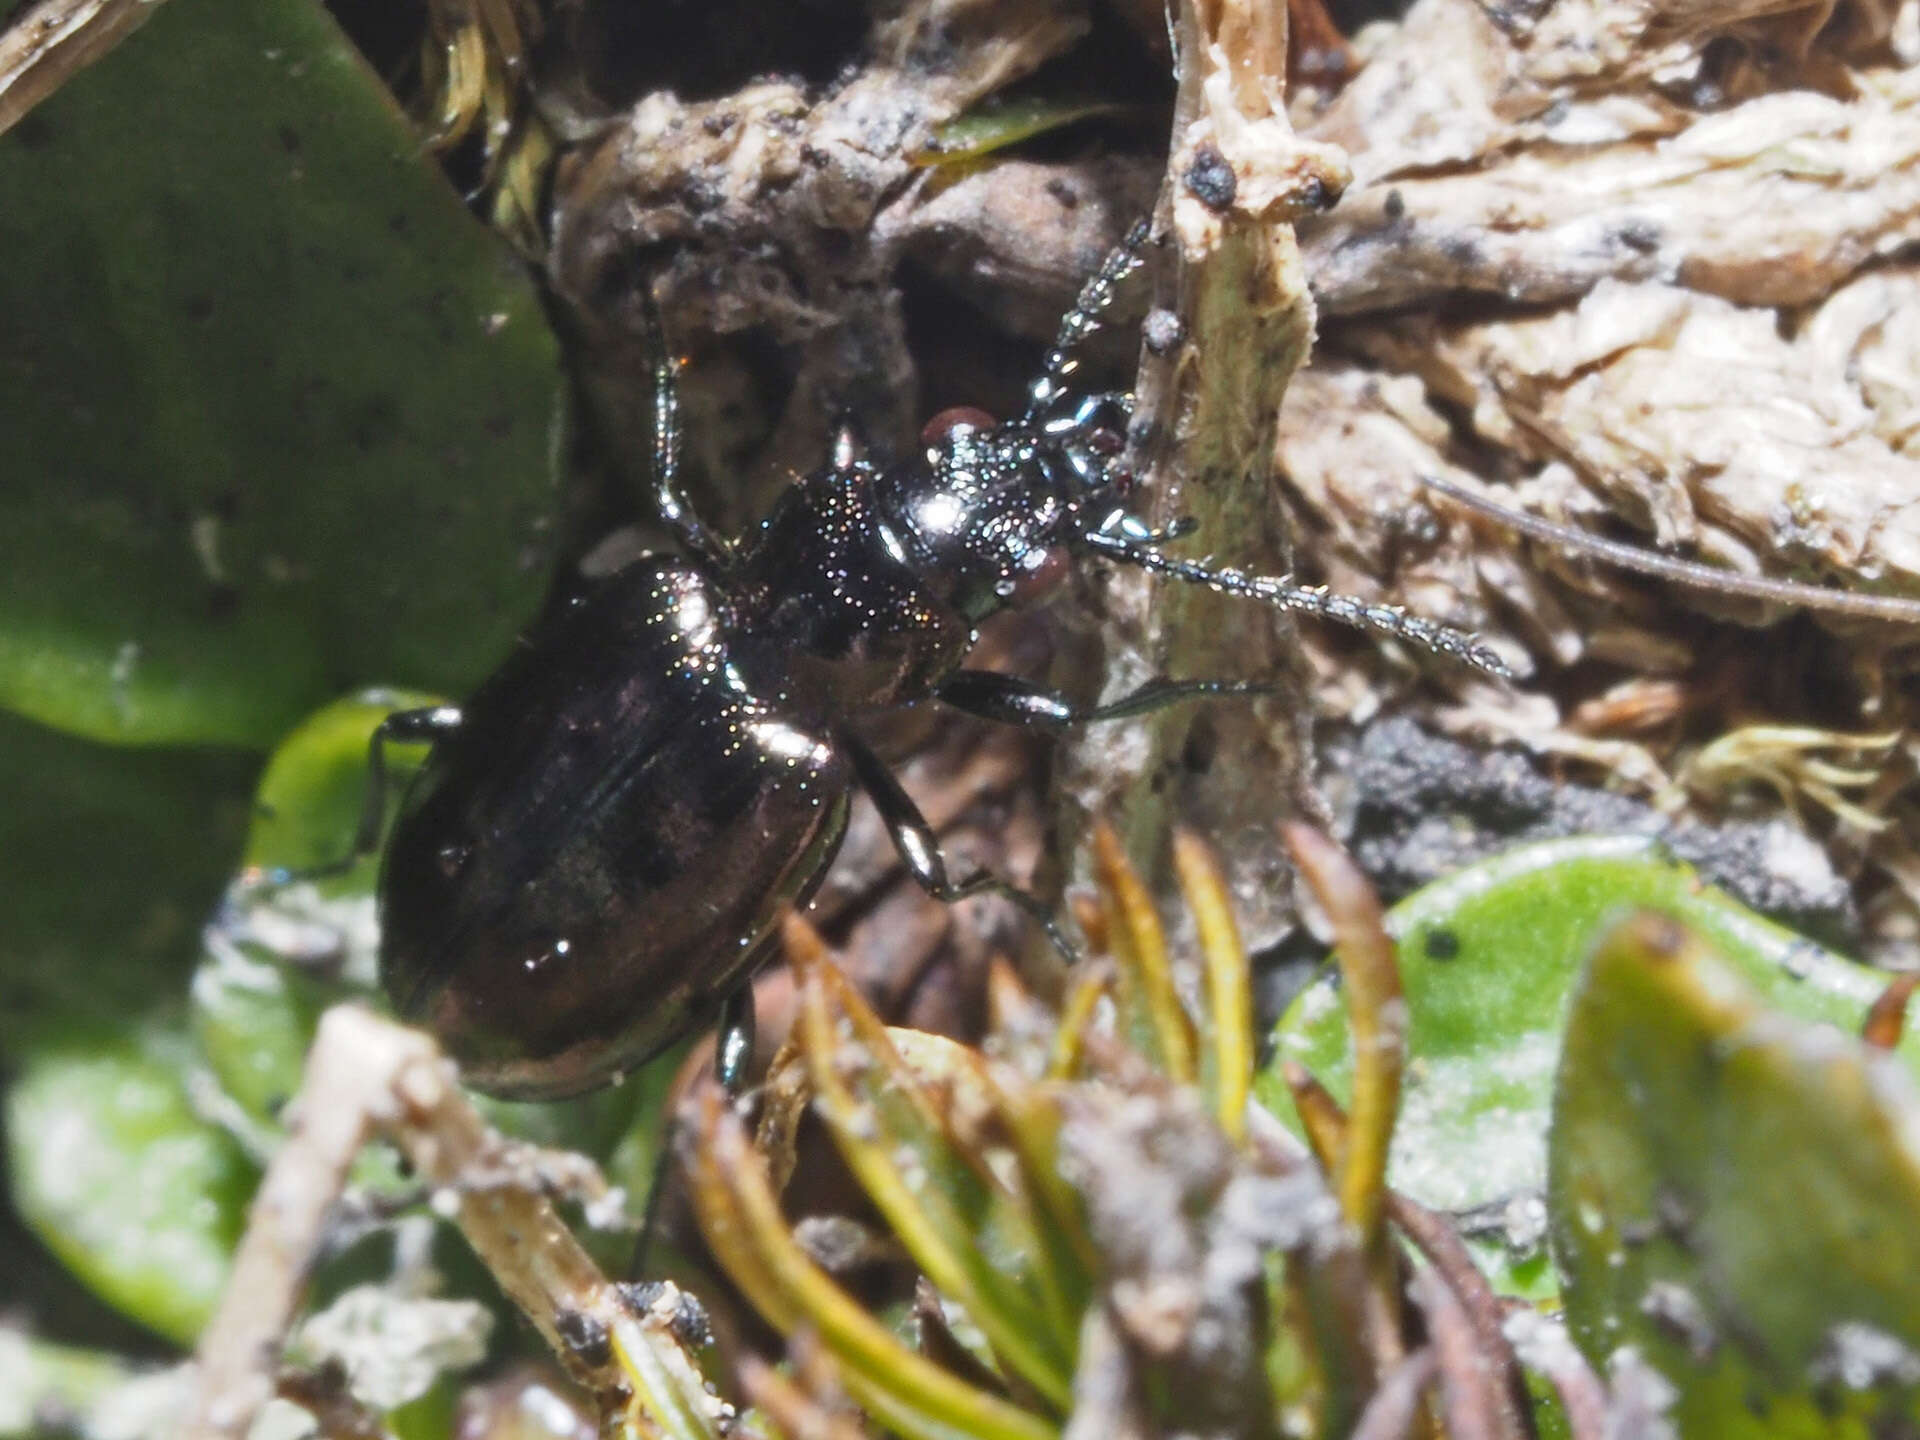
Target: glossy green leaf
x,y
276,414
1488,958
113,1170
1734,1197
253,1022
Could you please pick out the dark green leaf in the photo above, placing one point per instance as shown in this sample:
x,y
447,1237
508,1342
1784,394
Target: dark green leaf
x,y
1734,1195
1487,958
276,415
111,1167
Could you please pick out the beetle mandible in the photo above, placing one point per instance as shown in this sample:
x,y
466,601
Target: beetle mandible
x,y
595,855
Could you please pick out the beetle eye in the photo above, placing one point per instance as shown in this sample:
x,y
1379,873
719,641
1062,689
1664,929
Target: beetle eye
x,y
959,417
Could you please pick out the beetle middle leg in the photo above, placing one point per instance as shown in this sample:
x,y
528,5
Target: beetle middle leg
x,y
299,939
1011,700
919,848
405,727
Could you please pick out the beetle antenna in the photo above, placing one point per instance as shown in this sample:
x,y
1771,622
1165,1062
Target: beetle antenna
x,y
1461,645
1898,608
1094,300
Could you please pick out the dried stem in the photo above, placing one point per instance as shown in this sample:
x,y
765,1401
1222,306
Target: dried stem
x,y
1436,1238
1395,1405
367,1076
1466,1396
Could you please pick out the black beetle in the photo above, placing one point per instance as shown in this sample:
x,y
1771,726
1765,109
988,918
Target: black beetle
x,y
595,855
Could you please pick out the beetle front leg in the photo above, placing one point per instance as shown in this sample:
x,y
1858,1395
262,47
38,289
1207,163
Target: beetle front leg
x,y
919,848
296,938
1011,700
675,508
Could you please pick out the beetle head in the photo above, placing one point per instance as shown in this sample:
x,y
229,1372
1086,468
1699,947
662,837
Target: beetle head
x,y
989,514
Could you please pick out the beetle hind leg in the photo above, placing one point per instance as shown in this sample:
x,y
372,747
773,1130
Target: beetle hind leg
x,y
402,727
919,849
732,1059
733,1041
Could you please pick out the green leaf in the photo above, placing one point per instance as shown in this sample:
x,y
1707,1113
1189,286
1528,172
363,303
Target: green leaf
x,y
283,953
278,956
39,1381
1008,119
253,1023
112,1169
308,803
1488,958
276,414
114,858
1734,1195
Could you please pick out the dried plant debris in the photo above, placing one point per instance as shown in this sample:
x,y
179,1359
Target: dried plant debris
x,y
1233,320
1635,269
44,45
1112,1240
786,212
1528,156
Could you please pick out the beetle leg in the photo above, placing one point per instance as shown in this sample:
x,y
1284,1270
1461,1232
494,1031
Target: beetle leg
x,y
656,1194
732,1053
407,727
733,1043
1011,700
849,444
919,848
671,500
